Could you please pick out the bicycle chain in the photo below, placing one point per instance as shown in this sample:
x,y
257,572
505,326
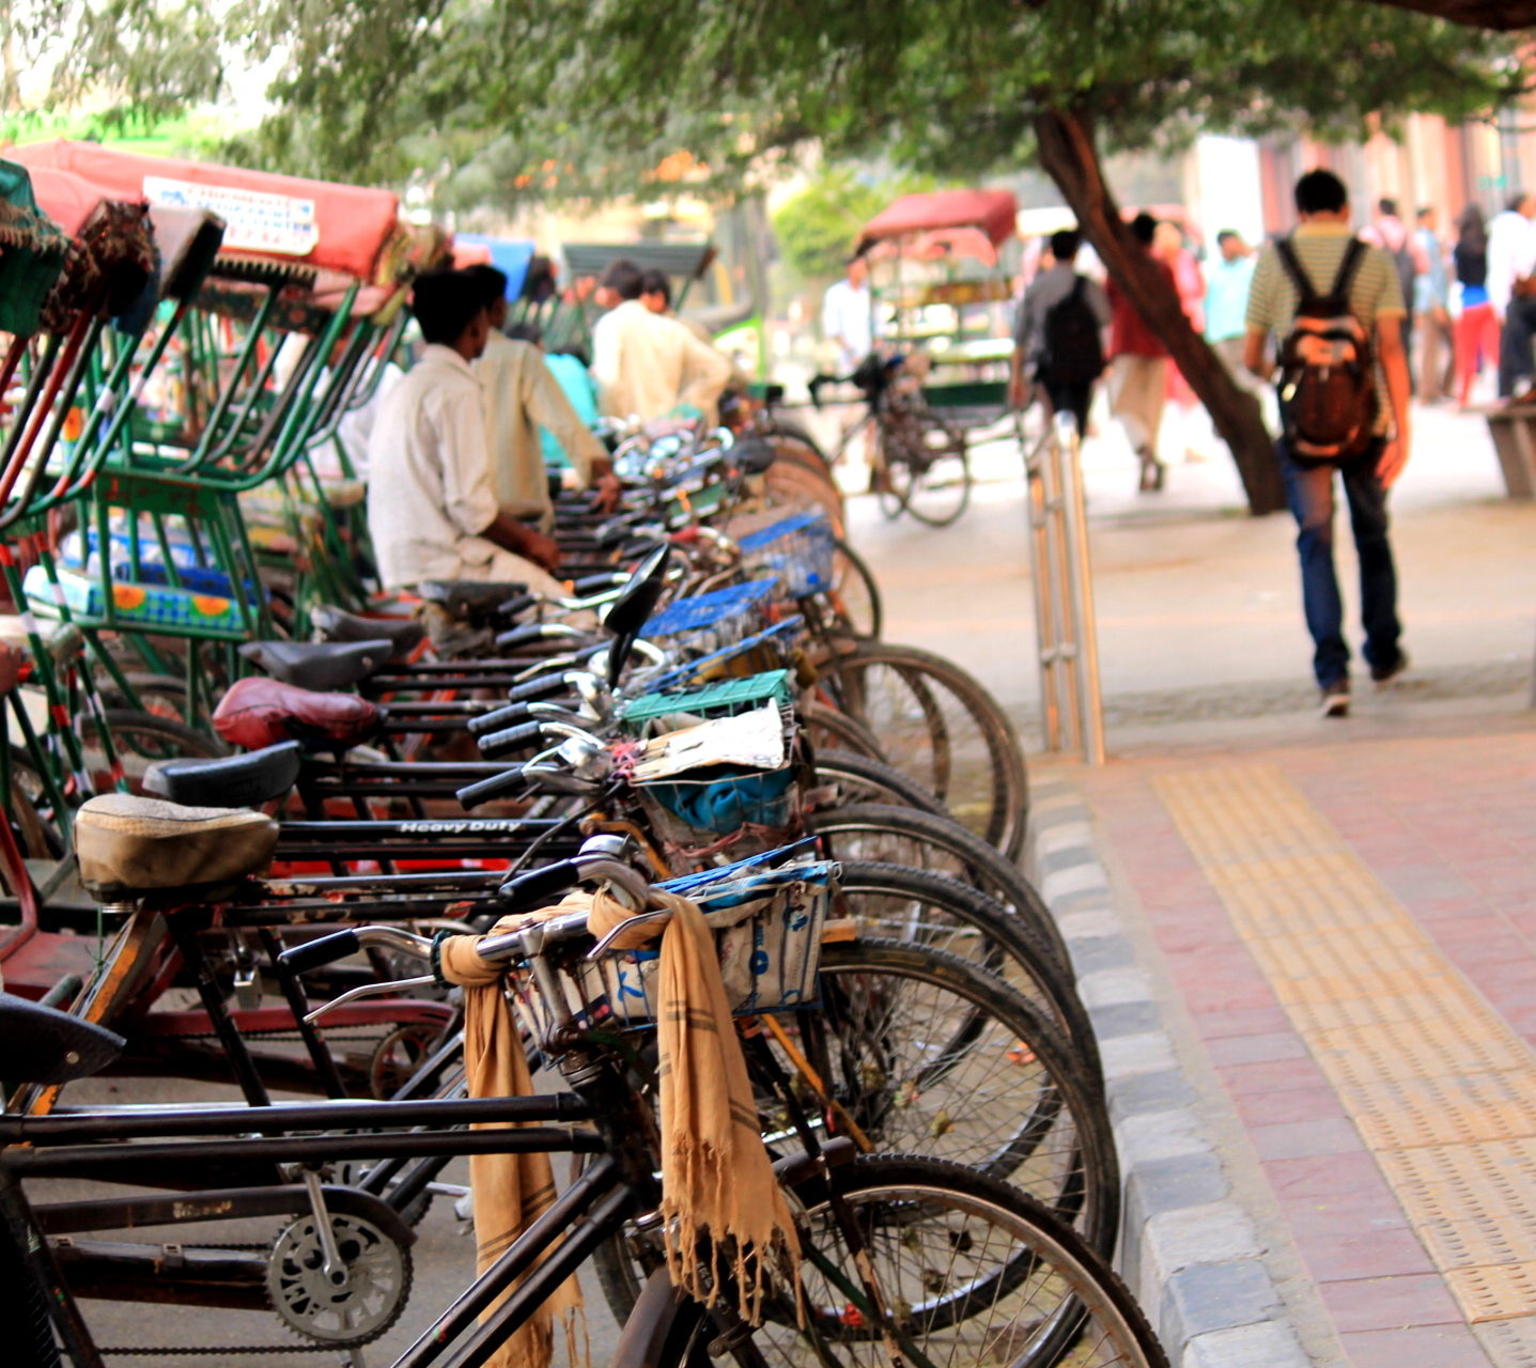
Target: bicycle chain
x,y
184,1351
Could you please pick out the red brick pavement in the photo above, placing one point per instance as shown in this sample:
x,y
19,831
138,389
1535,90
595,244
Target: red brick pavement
x,y
1449,827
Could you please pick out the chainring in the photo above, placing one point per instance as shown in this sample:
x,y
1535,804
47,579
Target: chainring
x,y
358,1305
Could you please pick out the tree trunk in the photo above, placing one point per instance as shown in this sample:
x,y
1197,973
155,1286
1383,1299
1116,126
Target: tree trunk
x,y
1069,156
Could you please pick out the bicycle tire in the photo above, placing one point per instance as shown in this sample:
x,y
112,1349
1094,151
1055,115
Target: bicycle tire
x,y
941,727
140,738
948,849
855,594
860,778
934,911
924,461
799,489
830,727
969,1039
1055,1294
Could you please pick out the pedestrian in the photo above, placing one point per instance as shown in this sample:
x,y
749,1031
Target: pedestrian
x,y
847,316
1388,231
1431,310
1138,379
647,365
1477,324
1226,301
521,397
432,510
1058,334
1344,399
1512,288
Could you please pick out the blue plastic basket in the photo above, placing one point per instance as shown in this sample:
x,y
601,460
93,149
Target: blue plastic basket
x,y
783,633
798,550
710,621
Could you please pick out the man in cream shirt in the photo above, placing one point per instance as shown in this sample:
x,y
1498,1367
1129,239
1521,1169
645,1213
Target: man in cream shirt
x,y
647,365
432,508
522,394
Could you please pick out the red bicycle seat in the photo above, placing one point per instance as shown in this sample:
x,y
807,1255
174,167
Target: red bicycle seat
x,y
261,712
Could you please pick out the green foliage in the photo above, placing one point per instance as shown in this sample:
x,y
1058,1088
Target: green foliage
x,y
817,227
587,97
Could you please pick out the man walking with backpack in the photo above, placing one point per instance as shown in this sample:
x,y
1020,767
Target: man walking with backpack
x,y
1337,306
1058,337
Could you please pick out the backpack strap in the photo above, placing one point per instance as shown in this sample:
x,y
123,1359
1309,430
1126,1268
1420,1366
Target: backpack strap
x,y
1293,268
1354,254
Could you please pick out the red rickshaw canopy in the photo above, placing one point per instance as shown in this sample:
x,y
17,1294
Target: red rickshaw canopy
x,y
332,227
994,212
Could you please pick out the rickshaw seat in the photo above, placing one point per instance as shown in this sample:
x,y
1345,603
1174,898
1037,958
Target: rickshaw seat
x,y
469,600
227,781
320,665
257,713
336,624
43,1045
128,846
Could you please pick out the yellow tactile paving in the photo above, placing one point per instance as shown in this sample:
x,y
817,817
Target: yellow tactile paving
x,y
1439,1087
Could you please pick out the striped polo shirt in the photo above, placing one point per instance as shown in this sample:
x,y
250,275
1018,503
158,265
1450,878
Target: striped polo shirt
x,y
1375,292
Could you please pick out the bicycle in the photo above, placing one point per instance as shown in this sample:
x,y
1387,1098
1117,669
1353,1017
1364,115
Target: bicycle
x,y
920,460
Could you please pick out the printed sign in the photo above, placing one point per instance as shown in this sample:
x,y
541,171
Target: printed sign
x,y
256,221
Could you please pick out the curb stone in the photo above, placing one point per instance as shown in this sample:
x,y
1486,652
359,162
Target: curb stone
x,y
1188,1250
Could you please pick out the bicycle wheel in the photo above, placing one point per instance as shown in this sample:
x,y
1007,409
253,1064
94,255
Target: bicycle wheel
x,y
906,836
796,488
858,778
928,1053
827,726
969,1270
941,727
139,739
929,468
855,595
918,908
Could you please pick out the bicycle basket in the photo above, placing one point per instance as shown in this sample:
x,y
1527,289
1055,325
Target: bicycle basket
x,y
798,550
750,783
709,622
767,926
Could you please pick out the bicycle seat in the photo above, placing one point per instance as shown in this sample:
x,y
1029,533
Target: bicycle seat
x,y
322,665
42,1045
257,713
128,846
336,624
227,781
469,600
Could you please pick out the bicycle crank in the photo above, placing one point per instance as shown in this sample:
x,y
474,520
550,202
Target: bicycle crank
x,y
342,1286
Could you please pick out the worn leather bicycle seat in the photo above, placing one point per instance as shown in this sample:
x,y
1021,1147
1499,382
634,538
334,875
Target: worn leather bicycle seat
x,y
469,600
320,665
228,781
128,846
257,713
42,1045
336,624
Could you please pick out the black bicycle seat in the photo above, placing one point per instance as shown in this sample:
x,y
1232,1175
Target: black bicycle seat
x,y
336,624
41,1045
230,781
322,666
469,600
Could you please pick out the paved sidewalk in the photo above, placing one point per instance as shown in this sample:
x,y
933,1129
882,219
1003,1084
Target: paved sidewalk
x,y
1310,947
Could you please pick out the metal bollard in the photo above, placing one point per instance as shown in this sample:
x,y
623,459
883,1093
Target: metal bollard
x,y
1065,622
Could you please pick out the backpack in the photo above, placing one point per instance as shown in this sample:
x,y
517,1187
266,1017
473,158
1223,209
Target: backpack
x,y
1327,380
1074,350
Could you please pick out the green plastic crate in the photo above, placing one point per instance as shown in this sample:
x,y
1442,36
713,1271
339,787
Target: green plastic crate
x,y
724,699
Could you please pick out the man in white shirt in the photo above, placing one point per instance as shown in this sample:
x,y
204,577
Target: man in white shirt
x,y
847,319
522,394
647,365
432,510
1512,288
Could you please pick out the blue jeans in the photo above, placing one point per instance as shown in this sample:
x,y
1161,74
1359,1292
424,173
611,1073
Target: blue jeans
x,y
1309,489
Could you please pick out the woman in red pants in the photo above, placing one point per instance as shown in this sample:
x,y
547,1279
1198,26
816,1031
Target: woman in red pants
x,y
1476,338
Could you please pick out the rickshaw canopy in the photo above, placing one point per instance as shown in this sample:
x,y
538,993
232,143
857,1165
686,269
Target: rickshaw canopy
x,y
993,212
32,251
681,260
343,228
510,256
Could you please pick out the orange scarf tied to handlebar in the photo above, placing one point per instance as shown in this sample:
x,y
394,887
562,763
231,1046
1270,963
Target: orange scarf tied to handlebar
x,y
722,1208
